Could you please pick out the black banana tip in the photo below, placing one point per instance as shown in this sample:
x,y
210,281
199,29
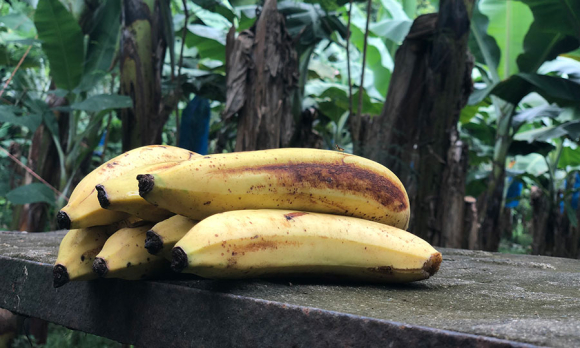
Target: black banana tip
x,y
178,259
153,242
102,196
146,183
59,276
63,220
100,267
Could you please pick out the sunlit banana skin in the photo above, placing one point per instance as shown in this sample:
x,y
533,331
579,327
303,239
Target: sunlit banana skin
x,y
124,256
76,254
162,237
122,194
265,243
303,179
83,208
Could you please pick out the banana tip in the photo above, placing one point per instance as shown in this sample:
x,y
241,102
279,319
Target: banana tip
x,y
63,220
431,266
60,276
100,267
178,259
102,196
153,242
146,183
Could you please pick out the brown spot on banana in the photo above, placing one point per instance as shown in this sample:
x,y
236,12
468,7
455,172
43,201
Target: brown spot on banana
x,y
346,177
290,216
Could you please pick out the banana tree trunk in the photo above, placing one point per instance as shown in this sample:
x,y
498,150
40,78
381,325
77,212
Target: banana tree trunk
x,y
262,73
412,136
43,159
141,55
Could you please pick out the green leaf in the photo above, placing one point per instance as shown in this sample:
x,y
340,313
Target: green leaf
x,y
483,46
395,9
19,23
518,147
561,66
569,157
379,59
508,24
534,164
392,29
554,89
210,18
31,193
529,115
562,16
15,115
555,30
569,129
542,46
62,41
209,42
479,94
103,38
221,7
102,102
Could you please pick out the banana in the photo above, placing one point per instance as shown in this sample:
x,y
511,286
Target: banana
x,y
124,256
83,209
76,253
258,243
304,179
163,236
78,249
122,194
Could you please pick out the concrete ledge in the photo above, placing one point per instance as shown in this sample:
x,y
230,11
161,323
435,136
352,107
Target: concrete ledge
x,y
477,299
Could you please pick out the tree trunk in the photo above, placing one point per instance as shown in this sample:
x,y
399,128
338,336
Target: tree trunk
x,y
567,237
142,51
453,199
540,209
490,213
470,224
430,85
262,72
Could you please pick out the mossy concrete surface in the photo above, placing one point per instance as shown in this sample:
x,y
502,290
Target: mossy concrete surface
x,y
524,298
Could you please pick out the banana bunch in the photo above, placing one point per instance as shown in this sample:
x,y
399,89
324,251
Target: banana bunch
x,y
269,213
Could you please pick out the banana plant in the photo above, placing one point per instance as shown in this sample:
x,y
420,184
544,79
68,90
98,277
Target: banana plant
x,y
506,83
66,92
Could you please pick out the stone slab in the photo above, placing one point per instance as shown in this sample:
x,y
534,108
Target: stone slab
x,y
477,298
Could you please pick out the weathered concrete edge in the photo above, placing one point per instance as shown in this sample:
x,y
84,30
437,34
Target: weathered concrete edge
x,y
109,308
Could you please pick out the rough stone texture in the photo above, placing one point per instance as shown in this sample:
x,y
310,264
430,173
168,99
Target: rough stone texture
x,y
523,298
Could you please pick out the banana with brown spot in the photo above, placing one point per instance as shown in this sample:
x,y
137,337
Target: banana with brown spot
x,y
268,243
304,179
162,237
77,252
83,208
124,256
122,194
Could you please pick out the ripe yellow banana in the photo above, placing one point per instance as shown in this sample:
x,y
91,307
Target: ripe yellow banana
x,y
83,209
76,253
258,243
163,236
122,194
124,256
303,179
